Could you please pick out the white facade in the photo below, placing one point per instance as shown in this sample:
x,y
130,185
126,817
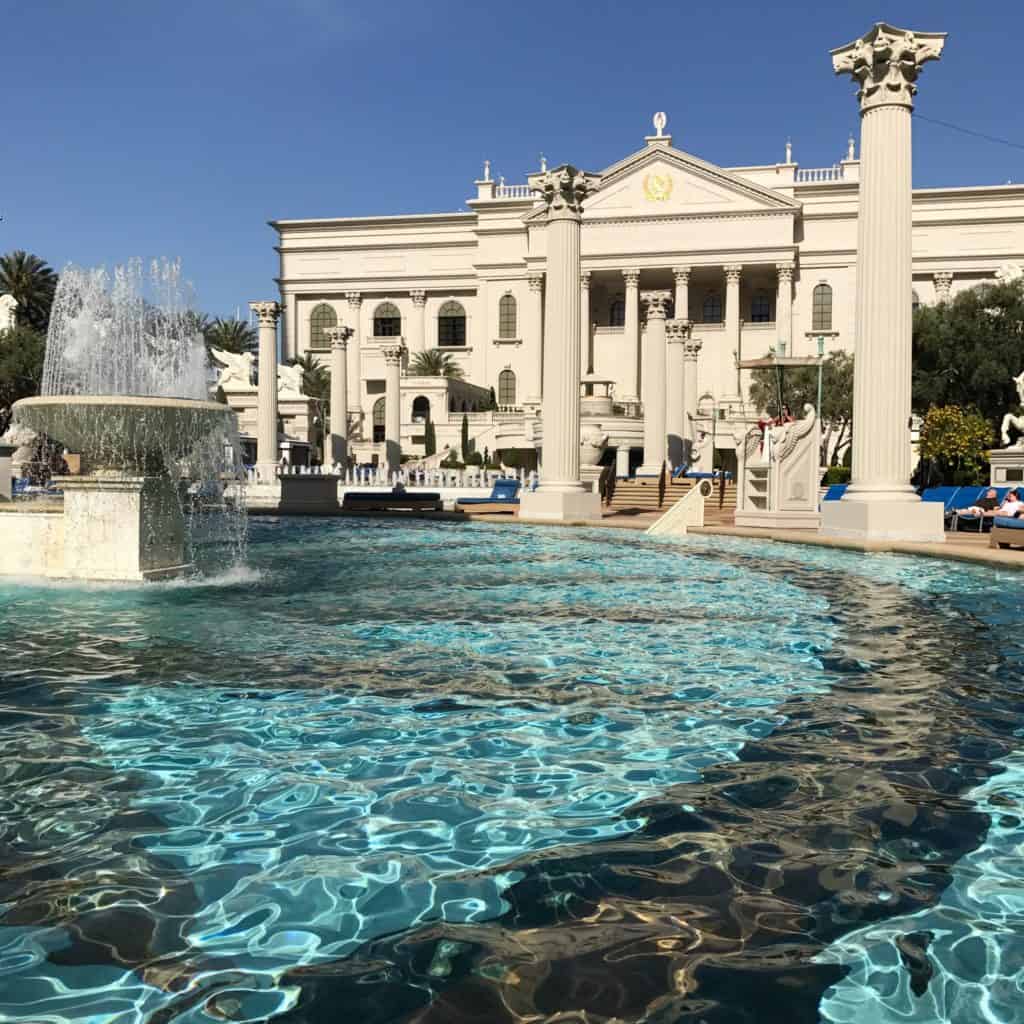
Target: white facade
x,y
743,249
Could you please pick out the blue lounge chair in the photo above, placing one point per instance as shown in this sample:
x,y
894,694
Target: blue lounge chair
x,y
504,497
397,500
1007,531
970,499
835,492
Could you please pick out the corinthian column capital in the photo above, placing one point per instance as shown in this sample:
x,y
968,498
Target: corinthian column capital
x,y
585,280
355,299
943,283
418,296
563,189
393,355
785,271
338,336
678,331
682,275
267,313
536,282
691,349
732,272
632,278
885,64
656,303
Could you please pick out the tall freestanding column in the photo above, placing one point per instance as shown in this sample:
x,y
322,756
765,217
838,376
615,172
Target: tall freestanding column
x,y
880,503
418,325
355,359
267,314
562,495
691,349
631,337
784,306
677,334
655,435
393,356
585,365
732,314
536,338
337,449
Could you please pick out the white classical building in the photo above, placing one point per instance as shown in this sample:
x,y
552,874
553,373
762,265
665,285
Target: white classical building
x,y
757,258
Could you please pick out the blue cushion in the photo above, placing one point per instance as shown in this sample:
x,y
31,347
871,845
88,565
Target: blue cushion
x,y
505,490
1009,522
835,492
487,501
943,494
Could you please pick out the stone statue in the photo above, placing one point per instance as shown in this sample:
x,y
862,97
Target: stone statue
x,y
592,446
25,439
8,304
1012,420
289,382
660,120
1007,273
236,369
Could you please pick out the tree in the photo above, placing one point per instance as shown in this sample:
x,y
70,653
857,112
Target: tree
x,y
230,335
800,387
430,440
967,350
316,384
21,368
465,445
435,363
32,282
954,442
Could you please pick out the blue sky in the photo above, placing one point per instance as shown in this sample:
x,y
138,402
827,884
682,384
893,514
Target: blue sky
x,y
179,129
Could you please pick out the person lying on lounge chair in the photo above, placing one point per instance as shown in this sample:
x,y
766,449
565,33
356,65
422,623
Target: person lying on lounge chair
x,y
1011,506
984,506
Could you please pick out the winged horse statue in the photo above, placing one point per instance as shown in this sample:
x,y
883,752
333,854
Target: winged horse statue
x,y
1012,420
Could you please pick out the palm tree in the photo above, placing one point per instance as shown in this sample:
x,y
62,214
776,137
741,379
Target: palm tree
x,y
435,363
32,282
316,384
230,335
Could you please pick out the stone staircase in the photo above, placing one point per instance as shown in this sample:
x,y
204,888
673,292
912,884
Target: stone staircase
x,y
640,497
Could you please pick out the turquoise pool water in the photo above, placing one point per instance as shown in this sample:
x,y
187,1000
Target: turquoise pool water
x,y
440,772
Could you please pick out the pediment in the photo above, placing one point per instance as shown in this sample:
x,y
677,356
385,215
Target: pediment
x,y
660,181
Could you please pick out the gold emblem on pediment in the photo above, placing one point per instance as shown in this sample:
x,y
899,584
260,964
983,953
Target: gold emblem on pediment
x,y
657,187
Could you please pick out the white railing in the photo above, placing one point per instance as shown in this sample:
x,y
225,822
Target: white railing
x,y
471,477
687,511
513,192
809,174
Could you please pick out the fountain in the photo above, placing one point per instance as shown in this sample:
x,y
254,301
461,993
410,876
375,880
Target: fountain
x,y
125,387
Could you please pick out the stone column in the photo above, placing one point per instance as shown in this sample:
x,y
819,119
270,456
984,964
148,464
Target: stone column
x,y
880,503
393,356
682,298
677,334
784,306
337,447
943,285
655,435
561,494
631,337
290,327
267,456
355,360
418,324
732,312
535,334
691,349
586,365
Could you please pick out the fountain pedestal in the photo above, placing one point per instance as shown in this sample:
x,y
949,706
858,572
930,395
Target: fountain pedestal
x,y
124,528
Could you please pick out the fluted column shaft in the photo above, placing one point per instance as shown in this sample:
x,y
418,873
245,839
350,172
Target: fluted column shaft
x,y
784,306
418,324
881,369
535,311
561,406
677,332
338,442
732,308
631,337
585,357
690,352
655,356
267,314
355,358
393,407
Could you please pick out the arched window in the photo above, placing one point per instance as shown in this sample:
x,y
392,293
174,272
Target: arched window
x,y
420,409
761,308
507,316
322,317
506,388
821,308
378,421
451,325
387,321
711,311
617,313
915,300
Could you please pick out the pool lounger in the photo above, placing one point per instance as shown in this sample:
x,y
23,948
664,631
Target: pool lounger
x,y
501,499
392,501
1007,532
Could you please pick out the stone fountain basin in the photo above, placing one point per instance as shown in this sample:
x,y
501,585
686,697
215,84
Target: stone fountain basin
x,y
124,431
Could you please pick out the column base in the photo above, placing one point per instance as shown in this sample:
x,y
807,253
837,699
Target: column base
x,y
560,506
878,520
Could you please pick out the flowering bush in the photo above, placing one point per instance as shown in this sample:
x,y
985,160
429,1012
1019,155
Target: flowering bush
x,y
956,441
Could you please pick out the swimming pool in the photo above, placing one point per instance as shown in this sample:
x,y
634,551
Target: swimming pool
x,y
478,773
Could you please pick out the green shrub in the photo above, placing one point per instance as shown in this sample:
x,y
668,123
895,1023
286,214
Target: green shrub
x,y
836,475
474,459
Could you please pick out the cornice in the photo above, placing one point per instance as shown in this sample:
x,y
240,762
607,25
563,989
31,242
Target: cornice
x,y
314,223
683,218
378,247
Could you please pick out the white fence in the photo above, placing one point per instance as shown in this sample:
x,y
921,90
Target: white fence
x,y
473,478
